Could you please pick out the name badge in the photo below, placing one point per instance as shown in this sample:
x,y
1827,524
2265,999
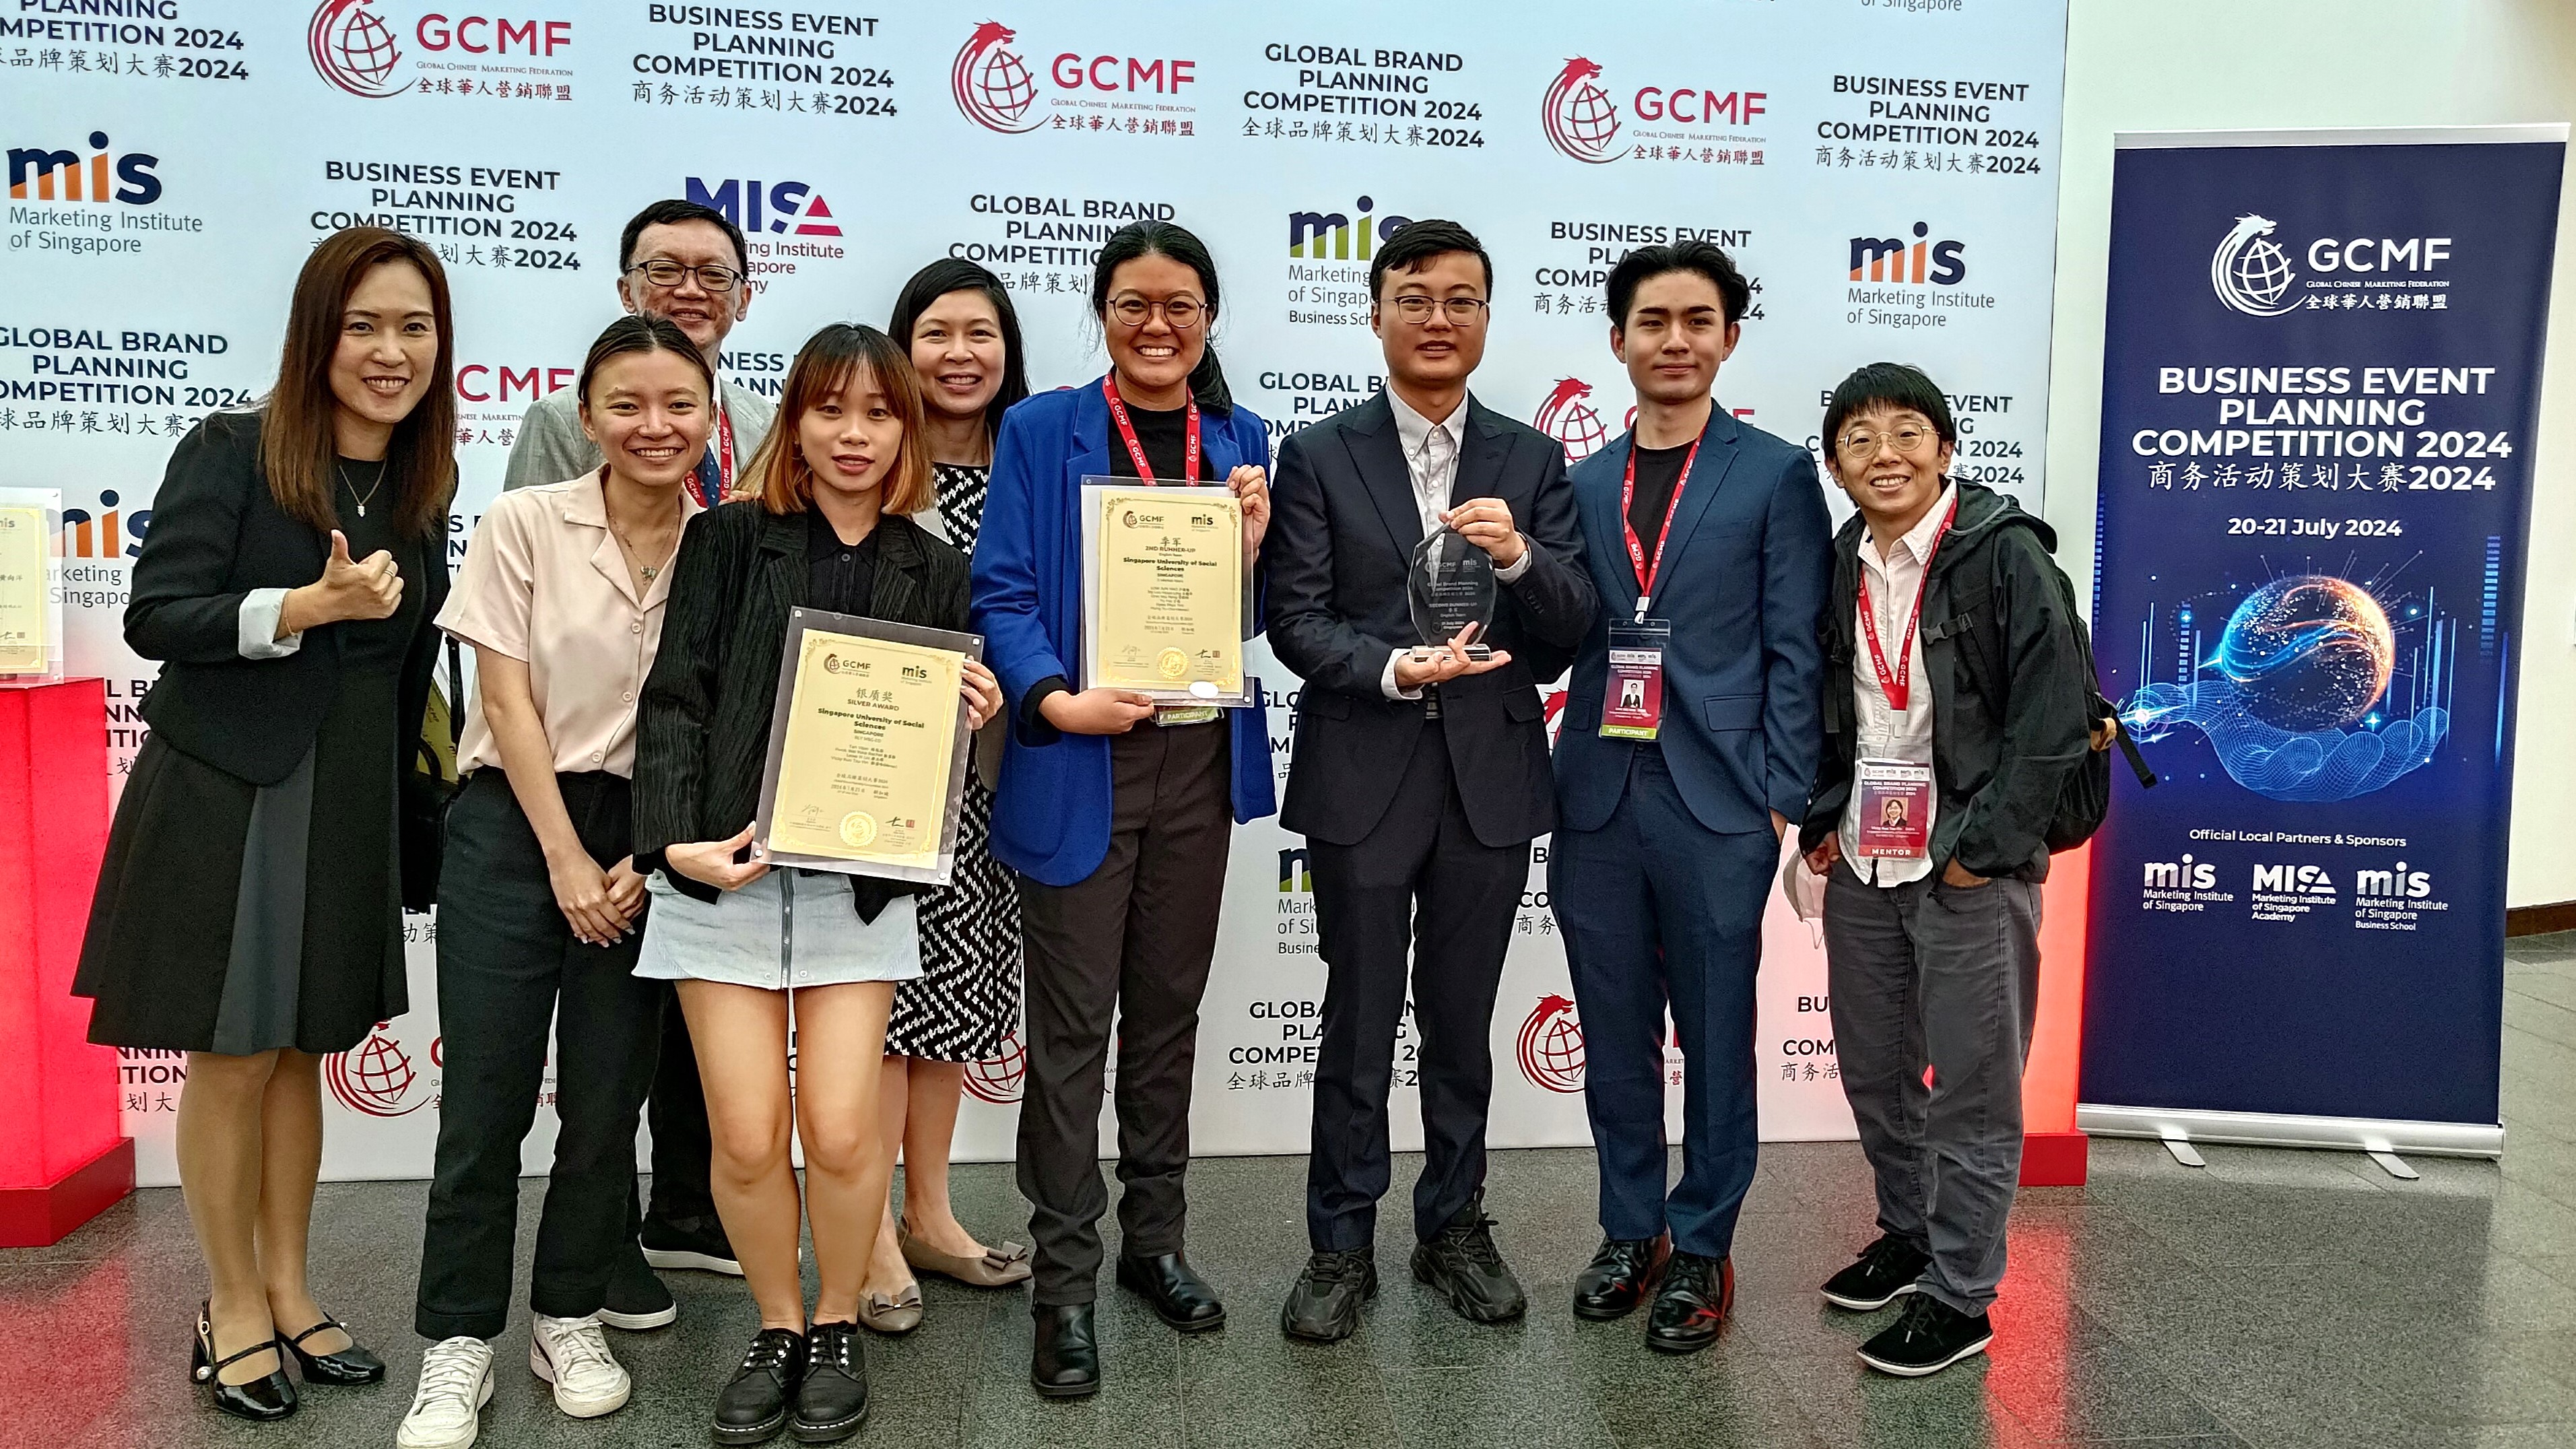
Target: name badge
x,y
1632,698
1895,809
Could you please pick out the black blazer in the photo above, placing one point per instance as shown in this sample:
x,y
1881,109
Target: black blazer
x,y
702,728
1339,551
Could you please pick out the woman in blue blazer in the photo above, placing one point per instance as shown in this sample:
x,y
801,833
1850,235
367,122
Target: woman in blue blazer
x,y
1117,814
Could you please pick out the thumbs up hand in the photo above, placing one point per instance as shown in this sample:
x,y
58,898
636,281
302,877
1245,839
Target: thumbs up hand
x,y
367,588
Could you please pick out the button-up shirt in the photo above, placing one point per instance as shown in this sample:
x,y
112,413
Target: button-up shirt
x,y
545,582
1431,452
1895,576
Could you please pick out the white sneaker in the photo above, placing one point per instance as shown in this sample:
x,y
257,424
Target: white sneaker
x,y
455,1384
572,1354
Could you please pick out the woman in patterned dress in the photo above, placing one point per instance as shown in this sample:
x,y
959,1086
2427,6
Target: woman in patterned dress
x,y
965,341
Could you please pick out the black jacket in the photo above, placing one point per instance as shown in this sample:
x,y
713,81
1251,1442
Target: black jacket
x,y
2008,688
1338,554
702,728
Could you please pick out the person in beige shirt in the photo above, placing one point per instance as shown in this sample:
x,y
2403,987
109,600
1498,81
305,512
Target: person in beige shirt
x,y
540,906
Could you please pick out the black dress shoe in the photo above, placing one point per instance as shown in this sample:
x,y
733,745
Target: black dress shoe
x,y
1886,1271
833,1401
1697,1296
1463,1263
1929,1338
754,1407
1620,1276
1066,1364
1180,1297
262,1400
1324,1307
348,1367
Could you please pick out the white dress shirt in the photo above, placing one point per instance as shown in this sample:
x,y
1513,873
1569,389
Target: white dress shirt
x,y
1431,452
1889,734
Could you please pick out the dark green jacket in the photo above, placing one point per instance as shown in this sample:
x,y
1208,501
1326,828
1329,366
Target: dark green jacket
x,y
2008,688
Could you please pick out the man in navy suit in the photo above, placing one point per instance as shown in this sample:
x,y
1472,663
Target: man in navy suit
x,y
1707,542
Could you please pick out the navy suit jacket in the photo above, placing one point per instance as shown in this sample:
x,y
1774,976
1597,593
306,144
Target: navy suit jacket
x,y
1744,582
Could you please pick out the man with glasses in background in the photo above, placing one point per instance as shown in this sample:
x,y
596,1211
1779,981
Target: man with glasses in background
x,y
687,262
1420,772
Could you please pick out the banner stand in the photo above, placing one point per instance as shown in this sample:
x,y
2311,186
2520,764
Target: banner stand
x,y
2268,1129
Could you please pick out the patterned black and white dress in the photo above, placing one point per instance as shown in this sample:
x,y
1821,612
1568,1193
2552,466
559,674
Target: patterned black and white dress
x,y
968,995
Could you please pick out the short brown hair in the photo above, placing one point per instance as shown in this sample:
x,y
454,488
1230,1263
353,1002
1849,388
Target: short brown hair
x,y
830,360
298,439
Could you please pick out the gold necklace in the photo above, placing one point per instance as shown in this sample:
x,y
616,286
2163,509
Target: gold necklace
x,y
633,554
343,470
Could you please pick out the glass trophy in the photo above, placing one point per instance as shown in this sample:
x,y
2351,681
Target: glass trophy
x,y
1451,586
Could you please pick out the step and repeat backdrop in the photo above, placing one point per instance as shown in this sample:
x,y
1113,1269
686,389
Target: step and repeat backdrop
x,y
1884,169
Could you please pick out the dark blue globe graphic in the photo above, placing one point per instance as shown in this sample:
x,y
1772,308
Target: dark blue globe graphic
x,y
1590,119
2309,652
2262,272
366,47
1004,86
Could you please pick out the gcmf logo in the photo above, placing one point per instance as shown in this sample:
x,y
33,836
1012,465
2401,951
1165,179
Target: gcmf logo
x,y
1582,121
2252,274
376,1077
994,87
1572,421
353,48
1551,1045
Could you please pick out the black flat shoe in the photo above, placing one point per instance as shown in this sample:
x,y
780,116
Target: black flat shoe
x,y
1066,1363
262,1400
1695,1301
754,1407
1180,1297
347,1367
1620,1276
833,1401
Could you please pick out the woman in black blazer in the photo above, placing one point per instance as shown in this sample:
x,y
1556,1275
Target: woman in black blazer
x,y
843,466
249,911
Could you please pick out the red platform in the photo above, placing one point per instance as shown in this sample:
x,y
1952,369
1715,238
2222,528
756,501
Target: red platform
x,y
63,1156
2052,1151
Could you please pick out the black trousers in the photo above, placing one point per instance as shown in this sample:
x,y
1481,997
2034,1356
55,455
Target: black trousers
x,y
683,1145
1131,942
1420,880
508,965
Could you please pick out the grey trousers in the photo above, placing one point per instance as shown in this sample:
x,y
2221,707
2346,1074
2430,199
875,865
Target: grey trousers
x,y
1927,974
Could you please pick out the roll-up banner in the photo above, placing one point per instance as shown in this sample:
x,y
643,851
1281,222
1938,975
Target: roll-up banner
x,y
2321,380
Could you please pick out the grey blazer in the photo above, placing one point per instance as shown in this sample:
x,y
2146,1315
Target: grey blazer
x,y
551,447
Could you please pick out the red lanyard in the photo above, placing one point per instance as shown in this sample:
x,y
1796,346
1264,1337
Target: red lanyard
x,y
1646,571
1136,450
1898,684
722,446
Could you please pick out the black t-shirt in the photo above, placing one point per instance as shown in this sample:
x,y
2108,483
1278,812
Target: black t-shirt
x,y
1165,436
839,577
1658,469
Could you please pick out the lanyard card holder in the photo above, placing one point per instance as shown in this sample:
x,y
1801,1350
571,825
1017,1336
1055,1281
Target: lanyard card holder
x,y
1895,809
1632,696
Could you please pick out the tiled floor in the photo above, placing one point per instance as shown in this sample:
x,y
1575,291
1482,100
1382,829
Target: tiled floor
x,y
2277,1298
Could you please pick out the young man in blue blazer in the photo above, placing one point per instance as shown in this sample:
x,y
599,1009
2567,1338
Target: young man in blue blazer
x,y
1689,741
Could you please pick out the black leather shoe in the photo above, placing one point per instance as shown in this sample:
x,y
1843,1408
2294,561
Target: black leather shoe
x,y
1697,1296
1180,1297
262,1400
1066,1364
753,1408
1463,1263
833,1401
1886,1272
1324,1307
348,1367
1620,1276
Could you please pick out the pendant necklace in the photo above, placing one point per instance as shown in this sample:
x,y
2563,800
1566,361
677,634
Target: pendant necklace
x,y
370,497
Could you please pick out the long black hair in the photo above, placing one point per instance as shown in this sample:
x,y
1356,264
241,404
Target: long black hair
x,y
956,274
1168,239
637,332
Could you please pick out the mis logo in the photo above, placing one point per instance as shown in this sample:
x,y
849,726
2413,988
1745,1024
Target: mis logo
x,y
37,173
789,207
992,84
1894,259
1318,235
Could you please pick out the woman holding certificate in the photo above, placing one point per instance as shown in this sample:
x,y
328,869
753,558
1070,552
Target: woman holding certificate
x,y
1117,799
561,597
827,529
249,912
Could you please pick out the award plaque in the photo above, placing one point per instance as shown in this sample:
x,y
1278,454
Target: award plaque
x,y
867,749
1162,592
31,585
1451,586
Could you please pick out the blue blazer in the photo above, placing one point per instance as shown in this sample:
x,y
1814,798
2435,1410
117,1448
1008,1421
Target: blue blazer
x,y
1744,583
1051,809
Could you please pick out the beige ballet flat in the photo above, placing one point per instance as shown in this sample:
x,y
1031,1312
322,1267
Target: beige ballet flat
x,y
998,1268
894,1316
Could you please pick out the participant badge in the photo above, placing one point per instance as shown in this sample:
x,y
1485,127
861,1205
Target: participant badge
x,y
1632,697
1895,809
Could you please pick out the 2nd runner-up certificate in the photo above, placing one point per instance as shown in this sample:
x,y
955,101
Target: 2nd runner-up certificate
x,y
1163,591
866,751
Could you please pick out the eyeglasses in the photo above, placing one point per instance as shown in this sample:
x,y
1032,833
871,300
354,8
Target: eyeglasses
x,y
663,273
1183,312
1461,311
1861,443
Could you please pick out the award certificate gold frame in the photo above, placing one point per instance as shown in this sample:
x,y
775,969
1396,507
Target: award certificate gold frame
x,y
31,584
1162,592
868,749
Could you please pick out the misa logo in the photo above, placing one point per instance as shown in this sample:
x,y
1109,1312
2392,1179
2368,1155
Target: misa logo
x,y
352,46
1341,236
790,208
1919,261
1001,1077
2183,874
39,173
2294,880
2252,274
104,534
376,1077
2413,885
1551,1045
994,87
1294,876
1582,121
